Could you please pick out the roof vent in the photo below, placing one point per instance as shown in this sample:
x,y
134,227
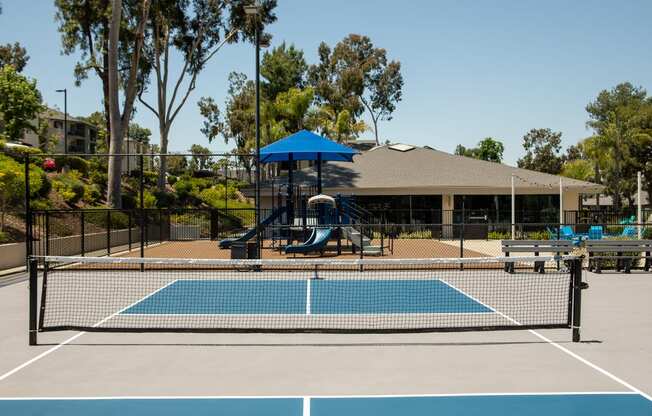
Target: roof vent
x,y
402,147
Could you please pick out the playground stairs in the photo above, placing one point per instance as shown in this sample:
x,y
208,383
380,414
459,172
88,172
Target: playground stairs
x,y
361,242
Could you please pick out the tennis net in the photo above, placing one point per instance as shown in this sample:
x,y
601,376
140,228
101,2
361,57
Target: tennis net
x,y
307,295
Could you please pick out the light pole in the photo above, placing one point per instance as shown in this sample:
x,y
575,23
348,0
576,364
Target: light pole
x,y
65,119
254,12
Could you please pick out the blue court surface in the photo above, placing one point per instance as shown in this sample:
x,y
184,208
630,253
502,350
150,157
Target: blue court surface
x,y
458,405
318,296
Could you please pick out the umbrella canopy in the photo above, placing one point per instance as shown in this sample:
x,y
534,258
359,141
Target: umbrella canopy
x,y
305,145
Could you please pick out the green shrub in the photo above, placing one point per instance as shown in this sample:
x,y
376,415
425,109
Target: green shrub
x,y
12,182
537,235
150,178
92,194
74,163
212,197
165,199
183,188
69,186
416,234
647,233
499,235
46,185
172,179
149,200
40,204
4,237
99,178
119,220
614,229
129,201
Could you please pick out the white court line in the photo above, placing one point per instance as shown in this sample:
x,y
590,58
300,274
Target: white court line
x,y
308,305
561,348
306,406
74,337
353,396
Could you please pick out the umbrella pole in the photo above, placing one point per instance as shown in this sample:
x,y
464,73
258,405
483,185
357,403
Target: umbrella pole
x,y
318,173
320,207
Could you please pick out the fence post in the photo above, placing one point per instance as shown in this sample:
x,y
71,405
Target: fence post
x,y
576,270
47,233
214,223
361,246
462,232
33,300
28,213
142,209
129,226
82,231
108,232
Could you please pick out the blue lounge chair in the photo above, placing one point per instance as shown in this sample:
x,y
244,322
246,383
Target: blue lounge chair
x,y
595,232
565,233
629,232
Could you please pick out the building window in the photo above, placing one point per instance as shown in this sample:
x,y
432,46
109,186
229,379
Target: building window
x,y
58,124
77,129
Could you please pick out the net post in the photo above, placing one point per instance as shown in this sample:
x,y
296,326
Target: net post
x,y
33,300
576,270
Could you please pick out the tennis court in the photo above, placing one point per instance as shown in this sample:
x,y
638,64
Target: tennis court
x,y
249,340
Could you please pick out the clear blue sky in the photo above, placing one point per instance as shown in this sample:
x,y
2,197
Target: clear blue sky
x,y
472,68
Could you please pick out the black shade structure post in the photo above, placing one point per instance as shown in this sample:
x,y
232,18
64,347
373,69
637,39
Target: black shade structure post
x,y
33,300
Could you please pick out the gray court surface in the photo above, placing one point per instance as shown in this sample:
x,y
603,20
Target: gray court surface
x,y
615,357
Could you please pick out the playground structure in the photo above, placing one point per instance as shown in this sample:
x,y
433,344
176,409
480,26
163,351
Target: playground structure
x,y
302,222
329,218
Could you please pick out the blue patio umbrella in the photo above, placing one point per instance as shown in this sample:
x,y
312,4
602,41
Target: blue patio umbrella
x,y
306,145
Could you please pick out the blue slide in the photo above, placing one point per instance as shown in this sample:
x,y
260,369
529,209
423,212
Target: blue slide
x,y
252,232
316,242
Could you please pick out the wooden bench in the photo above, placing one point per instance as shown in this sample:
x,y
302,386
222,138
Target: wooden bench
x,y
624,252
556,247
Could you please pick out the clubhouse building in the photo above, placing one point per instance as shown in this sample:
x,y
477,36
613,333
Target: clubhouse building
x,y
407,184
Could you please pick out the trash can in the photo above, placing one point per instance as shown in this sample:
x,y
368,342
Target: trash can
x,y
244,250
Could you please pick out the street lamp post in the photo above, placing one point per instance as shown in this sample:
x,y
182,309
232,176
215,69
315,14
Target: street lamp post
x,y
65,119
254,12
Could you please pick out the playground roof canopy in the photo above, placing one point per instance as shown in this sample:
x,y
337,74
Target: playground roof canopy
x,y
306,145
